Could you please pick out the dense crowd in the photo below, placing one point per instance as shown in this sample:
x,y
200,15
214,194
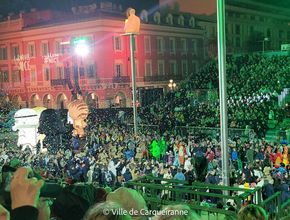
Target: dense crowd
x,y
111,154
253,85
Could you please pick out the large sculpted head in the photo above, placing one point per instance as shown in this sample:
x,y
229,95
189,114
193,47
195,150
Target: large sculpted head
x,y
26,123
78,111
50,123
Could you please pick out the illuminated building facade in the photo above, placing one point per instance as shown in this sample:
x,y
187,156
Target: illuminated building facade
x,y
40,68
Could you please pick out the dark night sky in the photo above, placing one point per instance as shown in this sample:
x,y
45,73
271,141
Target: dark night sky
x,y
7,6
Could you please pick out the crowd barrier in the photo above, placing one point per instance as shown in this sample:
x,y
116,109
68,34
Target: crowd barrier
x,y
158,192
211,132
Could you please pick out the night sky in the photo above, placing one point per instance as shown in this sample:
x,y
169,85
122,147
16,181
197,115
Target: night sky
x,y
194,6
7,6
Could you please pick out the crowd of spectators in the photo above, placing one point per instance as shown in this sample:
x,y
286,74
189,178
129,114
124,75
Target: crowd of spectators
x,y
253,85
111,154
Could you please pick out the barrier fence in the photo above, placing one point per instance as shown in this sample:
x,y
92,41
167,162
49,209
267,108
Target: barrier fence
x,y
158,192
248,134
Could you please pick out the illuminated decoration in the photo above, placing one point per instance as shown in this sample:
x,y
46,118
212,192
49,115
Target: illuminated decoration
x,y
78,111
51,58
81,46
26,123
22,62
132,23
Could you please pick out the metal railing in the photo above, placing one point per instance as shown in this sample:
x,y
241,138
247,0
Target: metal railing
x,y
162,77
158,192
58,82
172,191
121,79
248,134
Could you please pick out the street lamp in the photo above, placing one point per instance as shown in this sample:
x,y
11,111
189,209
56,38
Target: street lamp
x,y
81,49
264,40
171,85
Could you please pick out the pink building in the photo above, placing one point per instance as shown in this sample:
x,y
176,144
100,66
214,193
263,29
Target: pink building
x,y
38,65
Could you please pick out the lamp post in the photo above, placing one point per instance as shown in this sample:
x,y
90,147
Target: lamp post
x,y
171,84
81,49
264,40
223,90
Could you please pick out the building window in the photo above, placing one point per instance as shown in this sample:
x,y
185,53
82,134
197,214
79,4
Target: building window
x,y
148,68
91,71
160,45
59,72
251,30
184,66
144,16
16,76
31,49
3,53
119,69
173,67
32,74
44,49
183,46
46,72
238,29
82,72
161,67
172,46
157,17
15,51
4,76
192,22
181,20
117,43
193,46
147,43
58,48
169,19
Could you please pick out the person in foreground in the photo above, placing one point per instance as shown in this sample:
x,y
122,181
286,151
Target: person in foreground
x,y
252,212
25,197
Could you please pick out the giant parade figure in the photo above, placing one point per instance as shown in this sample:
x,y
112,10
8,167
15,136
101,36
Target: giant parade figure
x,y
26,123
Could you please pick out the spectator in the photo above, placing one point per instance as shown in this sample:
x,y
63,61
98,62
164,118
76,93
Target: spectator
x,y
252,212
106,211
176,212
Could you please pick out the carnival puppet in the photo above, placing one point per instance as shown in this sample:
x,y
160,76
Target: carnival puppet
x,y
26,123
51,125
40,137
78,111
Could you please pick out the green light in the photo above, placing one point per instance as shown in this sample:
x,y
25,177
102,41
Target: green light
x,y
81,40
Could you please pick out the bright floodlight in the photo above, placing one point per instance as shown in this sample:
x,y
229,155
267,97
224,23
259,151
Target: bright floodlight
x,y
81,48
